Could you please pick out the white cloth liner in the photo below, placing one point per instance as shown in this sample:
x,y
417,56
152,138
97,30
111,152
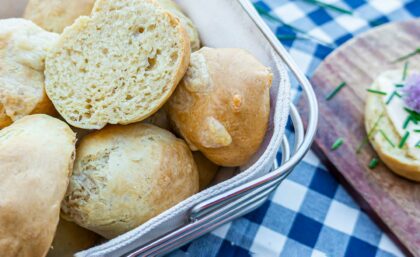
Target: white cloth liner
x,y
221,23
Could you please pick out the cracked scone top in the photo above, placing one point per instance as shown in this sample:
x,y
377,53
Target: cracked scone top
x,y
23,48
222,105
117,66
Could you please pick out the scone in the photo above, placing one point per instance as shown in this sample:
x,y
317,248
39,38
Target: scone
x,y
55,15
386,119
125,175
118,66
185,21
36,159
206,170
70,239
222,105
23,47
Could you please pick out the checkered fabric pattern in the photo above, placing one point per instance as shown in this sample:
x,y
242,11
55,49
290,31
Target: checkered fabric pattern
x,y
310,214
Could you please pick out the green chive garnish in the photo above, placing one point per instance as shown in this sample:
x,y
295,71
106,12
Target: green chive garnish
x,y
407,56
418,144
404,139
372,130
373,163
407,121
379,92
302,34
339,142
415,116
386,138
391,97
329,6
417,131
399,85
335,91
405,71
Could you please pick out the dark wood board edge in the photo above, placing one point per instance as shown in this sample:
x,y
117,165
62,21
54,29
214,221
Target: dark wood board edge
x,y
406,246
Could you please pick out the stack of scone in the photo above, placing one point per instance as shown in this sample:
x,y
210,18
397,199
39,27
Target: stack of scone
x,y
127,76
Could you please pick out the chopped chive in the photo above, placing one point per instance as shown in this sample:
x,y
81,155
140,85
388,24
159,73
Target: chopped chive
x,y
379,92
303,34
404,139
329,6
335,91
373,163
417,131
370,133
418,144
390,98
395,93
386,138
399,85
405,57
415,116
407,121
339,142
405,71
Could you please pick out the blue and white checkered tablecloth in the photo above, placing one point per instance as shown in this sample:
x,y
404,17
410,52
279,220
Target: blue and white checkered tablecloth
x,y
310,214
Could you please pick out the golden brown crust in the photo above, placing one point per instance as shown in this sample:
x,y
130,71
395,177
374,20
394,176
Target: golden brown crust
x,y
70,239
222,105
4,119
36,158
206,169
186,22
55,15
125,175
398,160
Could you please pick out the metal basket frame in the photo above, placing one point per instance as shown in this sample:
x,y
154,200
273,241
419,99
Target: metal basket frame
x,y
225,207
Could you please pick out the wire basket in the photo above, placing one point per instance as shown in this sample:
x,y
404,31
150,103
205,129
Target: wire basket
x,y
241,200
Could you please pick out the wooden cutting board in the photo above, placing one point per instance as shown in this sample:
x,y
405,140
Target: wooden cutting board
x,y
393,202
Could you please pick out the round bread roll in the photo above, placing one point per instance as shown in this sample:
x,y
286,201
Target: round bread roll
x,y
23,47
206,170
70,239
403,161
36,159
189,26
118,66
125,175
55,15
222,105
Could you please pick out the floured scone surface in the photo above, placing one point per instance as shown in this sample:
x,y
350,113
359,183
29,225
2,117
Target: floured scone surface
x,y
23,48
125,175
36,160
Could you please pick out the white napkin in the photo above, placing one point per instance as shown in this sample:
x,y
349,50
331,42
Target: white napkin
x,y
221,23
